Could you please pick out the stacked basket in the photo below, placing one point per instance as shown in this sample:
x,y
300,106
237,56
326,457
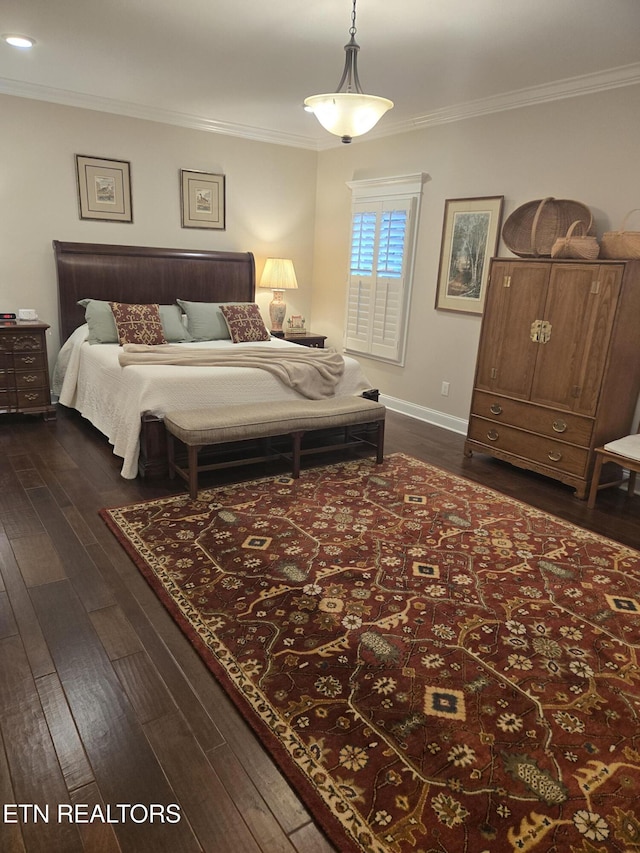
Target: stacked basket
x,y
619,245
581,246
532,229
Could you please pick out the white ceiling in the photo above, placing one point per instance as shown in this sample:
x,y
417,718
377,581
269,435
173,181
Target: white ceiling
x,y
244,66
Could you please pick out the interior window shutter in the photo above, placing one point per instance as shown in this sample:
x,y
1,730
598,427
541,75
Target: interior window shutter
x,y
361,278
388,320
383,228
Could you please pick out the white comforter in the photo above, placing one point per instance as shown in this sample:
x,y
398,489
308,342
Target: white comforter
x,y
89,378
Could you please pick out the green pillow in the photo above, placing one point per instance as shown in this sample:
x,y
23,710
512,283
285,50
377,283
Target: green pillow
x,y
102,326
205,320
174,329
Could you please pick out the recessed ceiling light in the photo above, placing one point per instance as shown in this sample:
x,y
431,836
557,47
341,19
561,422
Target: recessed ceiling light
x,y
16,40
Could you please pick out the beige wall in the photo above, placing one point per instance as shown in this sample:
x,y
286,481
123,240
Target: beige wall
x,y
295,203
270,197
585,148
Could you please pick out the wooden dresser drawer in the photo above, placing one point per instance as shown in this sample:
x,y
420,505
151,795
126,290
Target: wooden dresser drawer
x,y
16,341
544,451
518,413
26,379
29,398
29,360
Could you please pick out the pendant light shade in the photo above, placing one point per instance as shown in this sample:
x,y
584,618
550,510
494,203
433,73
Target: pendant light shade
x,y
348,112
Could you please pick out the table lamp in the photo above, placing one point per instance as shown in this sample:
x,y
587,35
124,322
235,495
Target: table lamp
x,y
278,275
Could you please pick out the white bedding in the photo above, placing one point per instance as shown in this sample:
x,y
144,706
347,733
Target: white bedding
x,y
90,379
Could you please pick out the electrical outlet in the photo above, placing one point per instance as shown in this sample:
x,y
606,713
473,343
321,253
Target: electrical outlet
x,y
444,390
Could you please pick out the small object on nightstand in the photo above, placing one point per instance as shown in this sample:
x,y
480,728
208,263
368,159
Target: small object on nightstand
x,y
296,325
308,339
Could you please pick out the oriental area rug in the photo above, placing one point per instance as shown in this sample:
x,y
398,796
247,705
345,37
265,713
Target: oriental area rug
x,y
434,666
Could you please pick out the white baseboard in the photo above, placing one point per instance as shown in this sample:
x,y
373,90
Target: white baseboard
x,y
422,413
432,416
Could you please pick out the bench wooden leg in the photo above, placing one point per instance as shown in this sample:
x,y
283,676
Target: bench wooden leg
x,y
171,455
193,470
380,444
296,441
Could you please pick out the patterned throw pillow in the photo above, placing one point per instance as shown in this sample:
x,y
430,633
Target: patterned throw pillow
x,y
245,322
138,324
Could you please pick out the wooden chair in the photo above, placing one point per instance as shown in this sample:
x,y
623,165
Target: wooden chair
x,y
624,452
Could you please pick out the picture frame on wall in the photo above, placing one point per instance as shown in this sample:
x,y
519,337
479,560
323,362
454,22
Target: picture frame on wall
x,y
104,188
202,199
470,234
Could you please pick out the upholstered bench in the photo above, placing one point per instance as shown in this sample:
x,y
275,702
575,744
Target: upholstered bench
x,y
200,428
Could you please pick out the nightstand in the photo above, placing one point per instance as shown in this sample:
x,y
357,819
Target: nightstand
x,y
307,340
24,371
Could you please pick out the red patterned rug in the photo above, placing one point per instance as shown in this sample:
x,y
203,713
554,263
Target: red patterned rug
x,y
434,666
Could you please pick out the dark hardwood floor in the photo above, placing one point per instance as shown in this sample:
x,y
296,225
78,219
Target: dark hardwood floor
x,y
102,699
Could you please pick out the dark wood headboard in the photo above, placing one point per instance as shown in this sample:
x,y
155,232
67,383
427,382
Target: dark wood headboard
x,y
141,274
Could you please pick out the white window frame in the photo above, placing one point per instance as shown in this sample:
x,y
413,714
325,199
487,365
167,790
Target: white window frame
x,y
377,308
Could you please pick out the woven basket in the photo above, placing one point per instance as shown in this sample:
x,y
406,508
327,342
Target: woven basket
x,y
532,229
572,245
621,245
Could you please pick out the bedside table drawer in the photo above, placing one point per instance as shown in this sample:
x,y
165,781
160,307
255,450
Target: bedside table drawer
x,y
30,379
308,340
33,398
29,360
14,341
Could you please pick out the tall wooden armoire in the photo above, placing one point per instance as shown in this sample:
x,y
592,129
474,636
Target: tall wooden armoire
x,y
558,369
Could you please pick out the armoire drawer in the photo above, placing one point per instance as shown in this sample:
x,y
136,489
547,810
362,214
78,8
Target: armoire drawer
x,y
537,448
518,413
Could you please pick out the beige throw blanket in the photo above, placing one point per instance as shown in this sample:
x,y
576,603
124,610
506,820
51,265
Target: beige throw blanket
x,y
314,373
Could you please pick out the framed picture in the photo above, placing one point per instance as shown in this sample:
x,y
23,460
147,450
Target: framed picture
x,y
104,189
470,235
296,325
202,200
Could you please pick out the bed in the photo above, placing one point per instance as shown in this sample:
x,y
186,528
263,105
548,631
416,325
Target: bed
x,y
127,403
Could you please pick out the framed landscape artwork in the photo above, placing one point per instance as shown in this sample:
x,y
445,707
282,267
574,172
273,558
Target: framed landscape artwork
x,y
203,202
470,235
104,188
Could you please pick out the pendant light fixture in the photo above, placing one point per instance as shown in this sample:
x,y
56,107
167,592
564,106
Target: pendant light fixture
x,y
348,112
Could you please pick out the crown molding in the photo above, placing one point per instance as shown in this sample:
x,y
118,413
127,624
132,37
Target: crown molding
x,y
125,108
571,87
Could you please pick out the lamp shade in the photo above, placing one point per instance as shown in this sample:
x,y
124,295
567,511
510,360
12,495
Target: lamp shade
x,y
348,114
278,274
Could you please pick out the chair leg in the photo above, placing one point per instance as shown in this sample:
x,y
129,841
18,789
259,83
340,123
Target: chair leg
x,y
595,481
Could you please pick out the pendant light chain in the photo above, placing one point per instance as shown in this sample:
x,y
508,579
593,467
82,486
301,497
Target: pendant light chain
x,y
348,111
